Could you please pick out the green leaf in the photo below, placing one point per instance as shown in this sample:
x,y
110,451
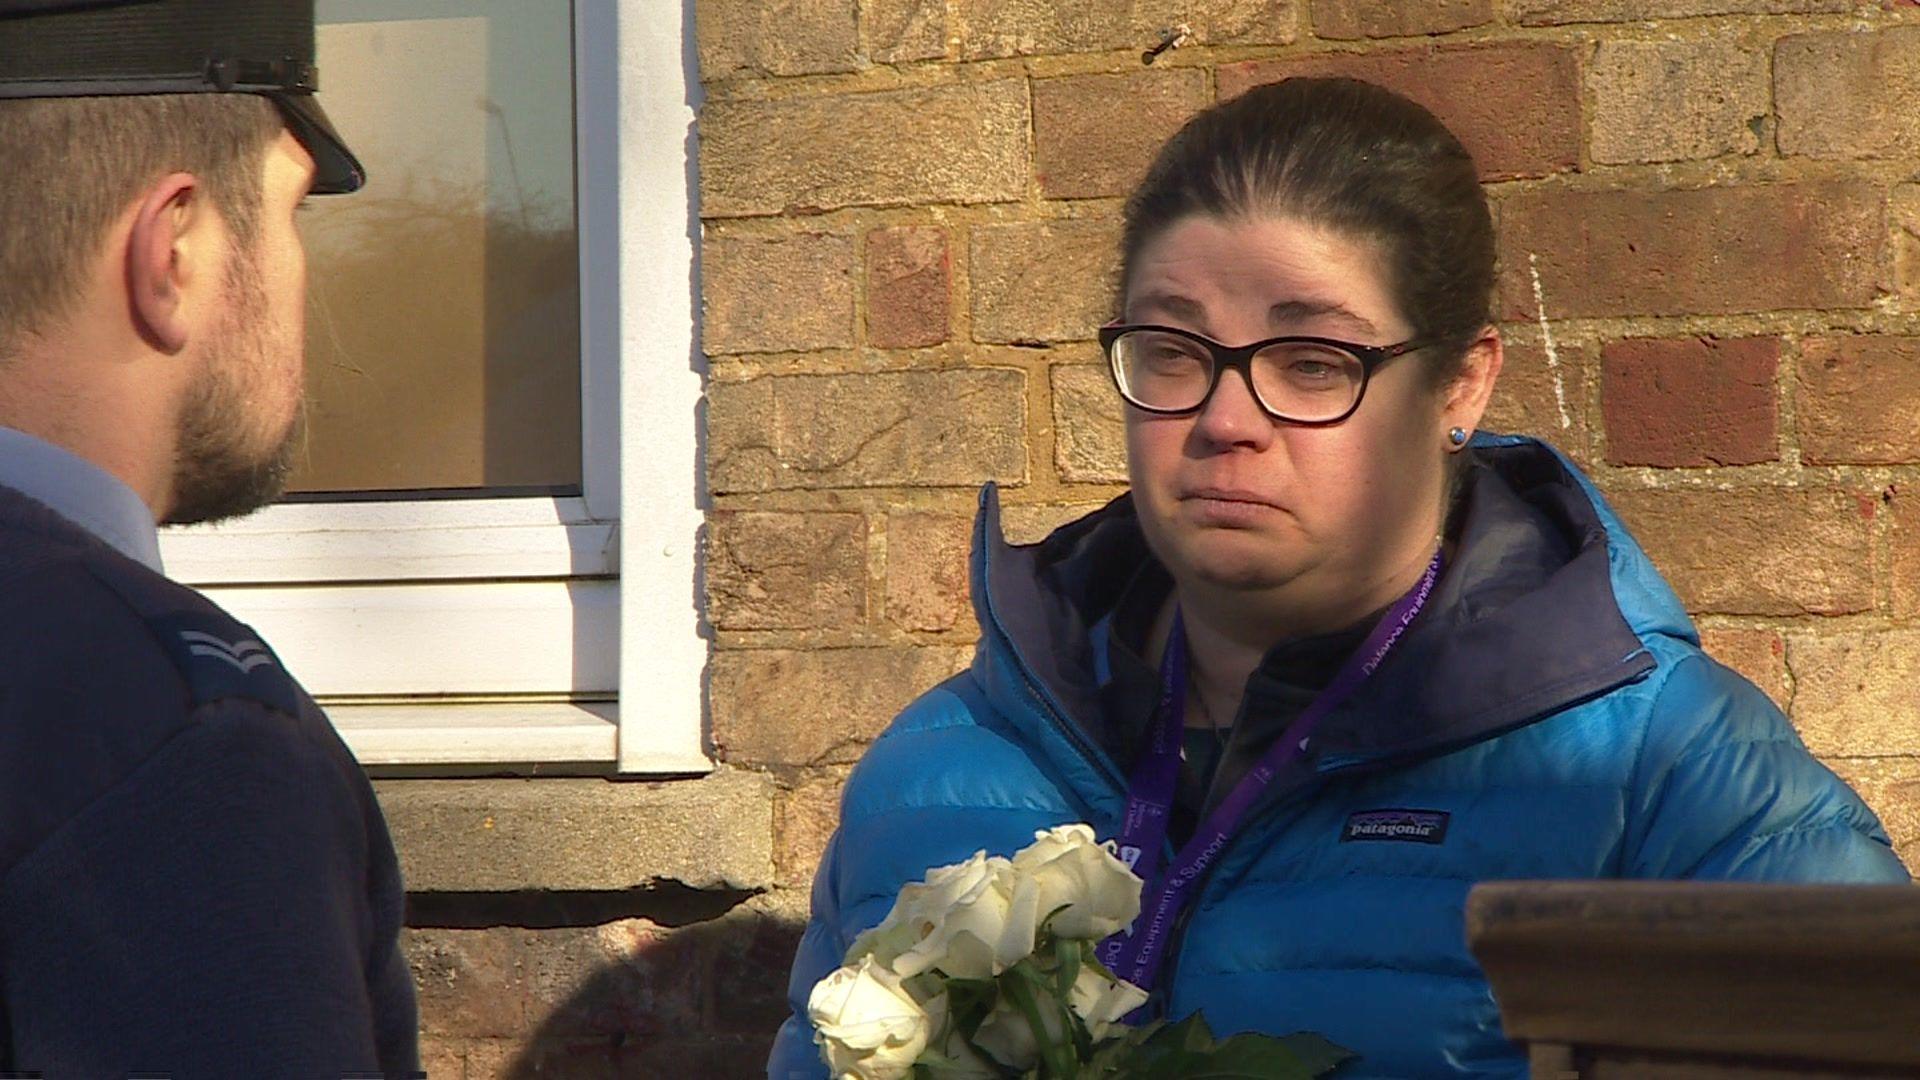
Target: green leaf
x,y
1066,960
1174,1065
1319,1054
1191,1033
1056,1058
1246,1056
1144,1033
969,1001
1257,1058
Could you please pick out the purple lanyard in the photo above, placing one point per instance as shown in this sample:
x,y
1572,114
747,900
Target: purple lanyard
x,y
1136,954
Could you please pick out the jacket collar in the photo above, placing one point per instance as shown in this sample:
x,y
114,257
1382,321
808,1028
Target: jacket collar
x,y
1542,607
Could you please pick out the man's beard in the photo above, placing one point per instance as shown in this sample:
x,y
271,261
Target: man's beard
x,y
216,473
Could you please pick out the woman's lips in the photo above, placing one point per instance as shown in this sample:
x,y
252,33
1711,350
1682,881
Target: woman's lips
x,y
1228,506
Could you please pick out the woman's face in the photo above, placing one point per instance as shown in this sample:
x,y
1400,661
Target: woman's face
x,y
1232,499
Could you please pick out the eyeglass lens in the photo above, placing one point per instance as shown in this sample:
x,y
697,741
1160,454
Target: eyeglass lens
x,y
1295,380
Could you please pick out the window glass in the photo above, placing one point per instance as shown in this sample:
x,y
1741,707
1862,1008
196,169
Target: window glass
x,y
443,327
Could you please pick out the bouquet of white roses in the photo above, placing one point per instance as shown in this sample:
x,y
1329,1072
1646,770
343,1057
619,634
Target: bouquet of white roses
x,y
986,970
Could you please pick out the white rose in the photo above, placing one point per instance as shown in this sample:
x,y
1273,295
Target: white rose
x,y
1008,1038
963,920
867,1025
1066,868
1101,1002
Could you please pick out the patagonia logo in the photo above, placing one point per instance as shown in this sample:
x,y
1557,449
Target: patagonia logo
x,y
1414,826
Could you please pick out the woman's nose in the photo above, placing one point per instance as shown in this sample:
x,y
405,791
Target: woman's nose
x,y
1233,416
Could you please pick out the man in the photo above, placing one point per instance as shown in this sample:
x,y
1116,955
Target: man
x,y
195,879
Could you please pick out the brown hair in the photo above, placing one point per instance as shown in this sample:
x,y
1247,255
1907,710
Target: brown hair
x,y
1349,155
74,165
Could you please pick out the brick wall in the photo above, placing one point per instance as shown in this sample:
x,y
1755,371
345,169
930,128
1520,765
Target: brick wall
x,y
1710,225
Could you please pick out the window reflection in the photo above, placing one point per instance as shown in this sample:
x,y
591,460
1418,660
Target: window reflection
x,y
443,319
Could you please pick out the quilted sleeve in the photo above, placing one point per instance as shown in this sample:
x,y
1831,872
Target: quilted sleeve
x,y
1725,790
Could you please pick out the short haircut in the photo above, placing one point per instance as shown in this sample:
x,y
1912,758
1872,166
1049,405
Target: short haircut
x,y
74,165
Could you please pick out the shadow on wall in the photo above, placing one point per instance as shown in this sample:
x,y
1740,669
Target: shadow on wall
x,y
664,982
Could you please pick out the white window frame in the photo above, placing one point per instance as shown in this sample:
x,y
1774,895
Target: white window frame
x,y
504,632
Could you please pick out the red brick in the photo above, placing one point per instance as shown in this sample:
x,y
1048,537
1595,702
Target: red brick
x,y
908,270
632,977
805,818
1346,20
1905,538
751,955
1853,692
744,38
1043,280
443,1059
1089,425
1777,551
1032,524
1759,655
1691,401
496,1059
995,28
779,571
1903,209
927,571
1696,252
1542,397
1858,400
1555,12
469,982
776,293
620,1056
815,707
868,429
1675,100
1516,108
1849,94
902,30
965,143
1096,134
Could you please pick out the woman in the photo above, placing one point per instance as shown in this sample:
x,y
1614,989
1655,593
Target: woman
x,y
1447,656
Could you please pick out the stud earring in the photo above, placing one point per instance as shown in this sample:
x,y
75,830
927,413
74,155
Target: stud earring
x,y
1458,437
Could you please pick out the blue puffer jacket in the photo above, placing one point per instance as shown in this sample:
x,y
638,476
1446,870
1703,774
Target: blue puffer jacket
x,y
1552,701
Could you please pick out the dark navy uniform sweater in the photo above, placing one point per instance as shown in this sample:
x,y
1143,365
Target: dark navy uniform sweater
x,y
195,879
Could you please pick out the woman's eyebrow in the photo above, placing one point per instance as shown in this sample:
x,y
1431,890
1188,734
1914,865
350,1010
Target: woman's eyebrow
x,y
1293,311
1174,304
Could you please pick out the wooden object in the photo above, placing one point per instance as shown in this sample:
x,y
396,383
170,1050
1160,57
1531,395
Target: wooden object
x,y
1606,979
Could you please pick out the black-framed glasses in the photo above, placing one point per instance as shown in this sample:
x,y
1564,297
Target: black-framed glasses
x,y
1313,381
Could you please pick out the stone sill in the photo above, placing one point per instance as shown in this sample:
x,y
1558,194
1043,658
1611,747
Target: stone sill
x,y
582,833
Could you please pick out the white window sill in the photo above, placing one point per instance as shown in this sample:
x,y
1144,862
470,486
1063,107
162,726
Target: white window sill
x,y
511,735
453,539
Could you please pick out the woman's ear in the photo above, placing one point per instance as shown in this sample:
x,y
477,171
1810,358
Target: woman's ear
x,y
1468,394
163,251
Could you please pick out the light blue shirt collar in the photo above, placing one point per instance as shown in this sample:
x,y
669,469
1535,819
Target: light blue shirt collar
x,y
82,492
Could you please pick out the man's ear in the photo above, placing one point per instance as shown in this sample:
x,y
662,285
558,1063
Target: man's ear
x,y
165,252
1468,394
